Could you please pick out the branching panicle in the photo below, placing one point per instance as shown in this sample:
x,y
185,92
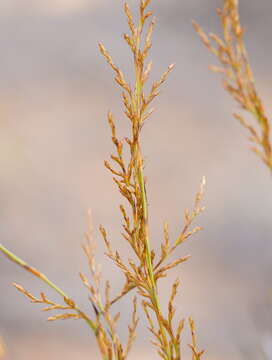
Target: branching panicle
x,y
143,269
130,180
238,77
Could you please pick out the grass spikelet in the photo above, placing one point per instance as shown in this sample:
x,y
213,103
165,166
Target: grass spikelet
x,y
196,355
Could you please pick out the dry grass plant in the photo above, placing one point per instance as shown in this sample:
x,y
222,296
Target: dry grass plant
x,y
238,77
144,273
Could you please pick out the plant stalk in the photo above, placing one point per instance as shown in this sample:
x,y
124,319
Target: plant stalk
x,y
14,258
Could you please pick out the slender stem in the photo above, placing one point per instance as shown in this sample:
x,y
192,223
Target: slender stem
x,y
154,295
139,162
11,256
35,272
146,228
141,181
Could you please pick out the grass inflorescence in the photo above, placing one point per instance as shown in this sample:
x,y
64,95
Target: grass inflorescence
x,y
238,77
143,274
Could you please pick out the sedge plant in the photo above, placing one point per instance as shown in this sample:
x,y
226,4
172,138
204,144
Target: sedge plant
x,y
143,274
238,79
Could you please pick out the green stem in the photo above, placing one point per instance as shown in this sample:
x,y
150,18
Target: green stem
x,y
141,181
11,256
22,263
146,230
154,295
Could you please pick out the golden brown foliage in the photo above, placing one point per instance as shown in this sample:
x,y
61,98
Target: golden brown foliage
x,y
238,78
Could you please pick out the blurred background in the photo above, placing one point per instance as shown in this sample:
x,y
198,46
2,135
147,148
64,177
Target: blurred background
x,y
55,91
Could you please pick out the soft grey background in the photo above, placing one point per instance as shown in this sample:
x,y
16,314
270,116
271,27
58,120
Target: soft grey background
x,y
55,91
